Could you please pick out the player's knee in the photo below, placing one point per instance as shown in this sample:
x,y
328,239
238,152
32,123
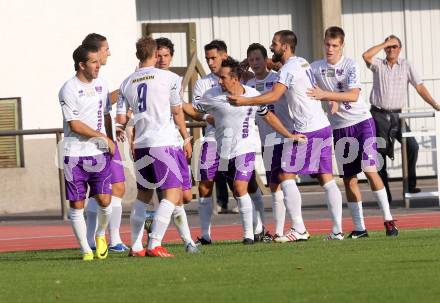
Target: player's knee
x,y
187,196
118,189
240,190
103,200
205,188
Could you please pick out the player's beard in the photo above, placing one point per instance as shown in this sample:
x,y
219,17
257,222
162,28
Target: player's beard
x,y
276,57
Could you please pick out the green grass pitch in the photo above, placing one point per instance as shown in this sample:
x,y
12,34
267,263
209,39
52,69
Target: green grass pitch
x,y
378,269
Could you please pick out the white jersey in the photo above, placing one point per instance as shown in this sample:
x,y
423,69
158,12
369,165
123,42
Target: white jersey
x,y
85,102
342,77
234,131
279,108
201,86
150,93
307,113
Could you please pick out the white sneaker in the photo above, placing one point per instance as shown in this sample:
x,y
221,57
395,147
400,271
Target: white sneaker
x,y
192,248
332,236
235,210
293,236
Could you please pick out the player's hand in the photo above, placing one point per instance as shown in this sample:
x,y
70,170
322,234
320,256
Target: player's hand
x,y
210,120
333,107
316,93
120,135
237,100
187,148
300,138
111,146
273,65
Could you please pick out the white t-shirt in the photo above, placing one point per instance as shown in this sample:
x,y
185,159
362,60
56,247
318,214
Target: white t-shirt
x,y
85,102
201,86
234,131
150,93
342,77
279,108
307,114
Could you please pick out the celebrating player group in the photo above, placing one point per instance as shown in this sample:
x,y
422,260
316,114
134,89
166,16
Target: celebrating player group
x,y
303,111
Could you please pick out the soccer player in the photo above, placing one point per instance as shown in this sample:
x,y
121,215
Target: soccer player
x,y
271,142
236,136
153,95
215,53
165,52
315,157
354,132
118,176
87,149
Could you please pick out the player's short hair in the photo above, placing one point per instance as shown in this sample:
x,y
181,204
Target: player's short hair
x,y
234,65
219,45
288,37
165,42
334,32
394,37
81,54
257,46
94,39
145,48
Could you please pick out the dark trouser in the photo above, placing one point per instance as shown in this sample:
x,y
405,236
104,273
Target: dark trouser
x,y
388,127
222,190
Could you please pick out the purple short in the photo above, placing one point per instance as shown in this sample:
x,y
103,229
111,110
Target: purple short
x,y
273,164
209,161
314,157
157,167
117,167
356,148
241,167
94,171
184,169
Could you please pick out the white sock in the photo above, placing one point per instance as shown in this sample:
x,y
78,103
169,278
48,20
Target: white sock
x,y
292,201
279,212
104,214
137,220
382,200
79,228
160,223
258,211
357,215
92,220
181,222
245,207
334,203
205,213
115,221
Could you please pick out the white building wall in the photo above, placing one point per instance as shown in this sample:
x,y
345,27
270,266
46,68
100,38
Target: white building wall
x,y
237,22
38,38
367,23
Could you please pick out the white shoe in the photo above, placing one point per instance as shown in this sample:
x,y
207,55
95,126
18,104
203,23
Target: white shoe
x,y
293,236
235,210
192,248
332,236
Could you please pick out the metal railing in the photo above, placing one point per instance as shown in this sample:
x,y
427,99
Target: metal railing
x,y
405,134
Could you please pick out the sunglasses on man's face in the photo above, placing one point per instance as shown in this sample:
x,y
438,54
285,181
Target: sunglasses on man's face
x,y
392,47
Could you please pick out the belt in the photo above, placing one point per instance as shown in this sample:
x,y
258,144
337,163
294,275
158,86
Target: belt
x,y
381,110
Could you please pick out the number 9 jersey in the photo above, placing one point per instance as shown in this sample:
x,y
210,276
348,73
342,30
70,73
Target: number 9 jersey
x,y
149,93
